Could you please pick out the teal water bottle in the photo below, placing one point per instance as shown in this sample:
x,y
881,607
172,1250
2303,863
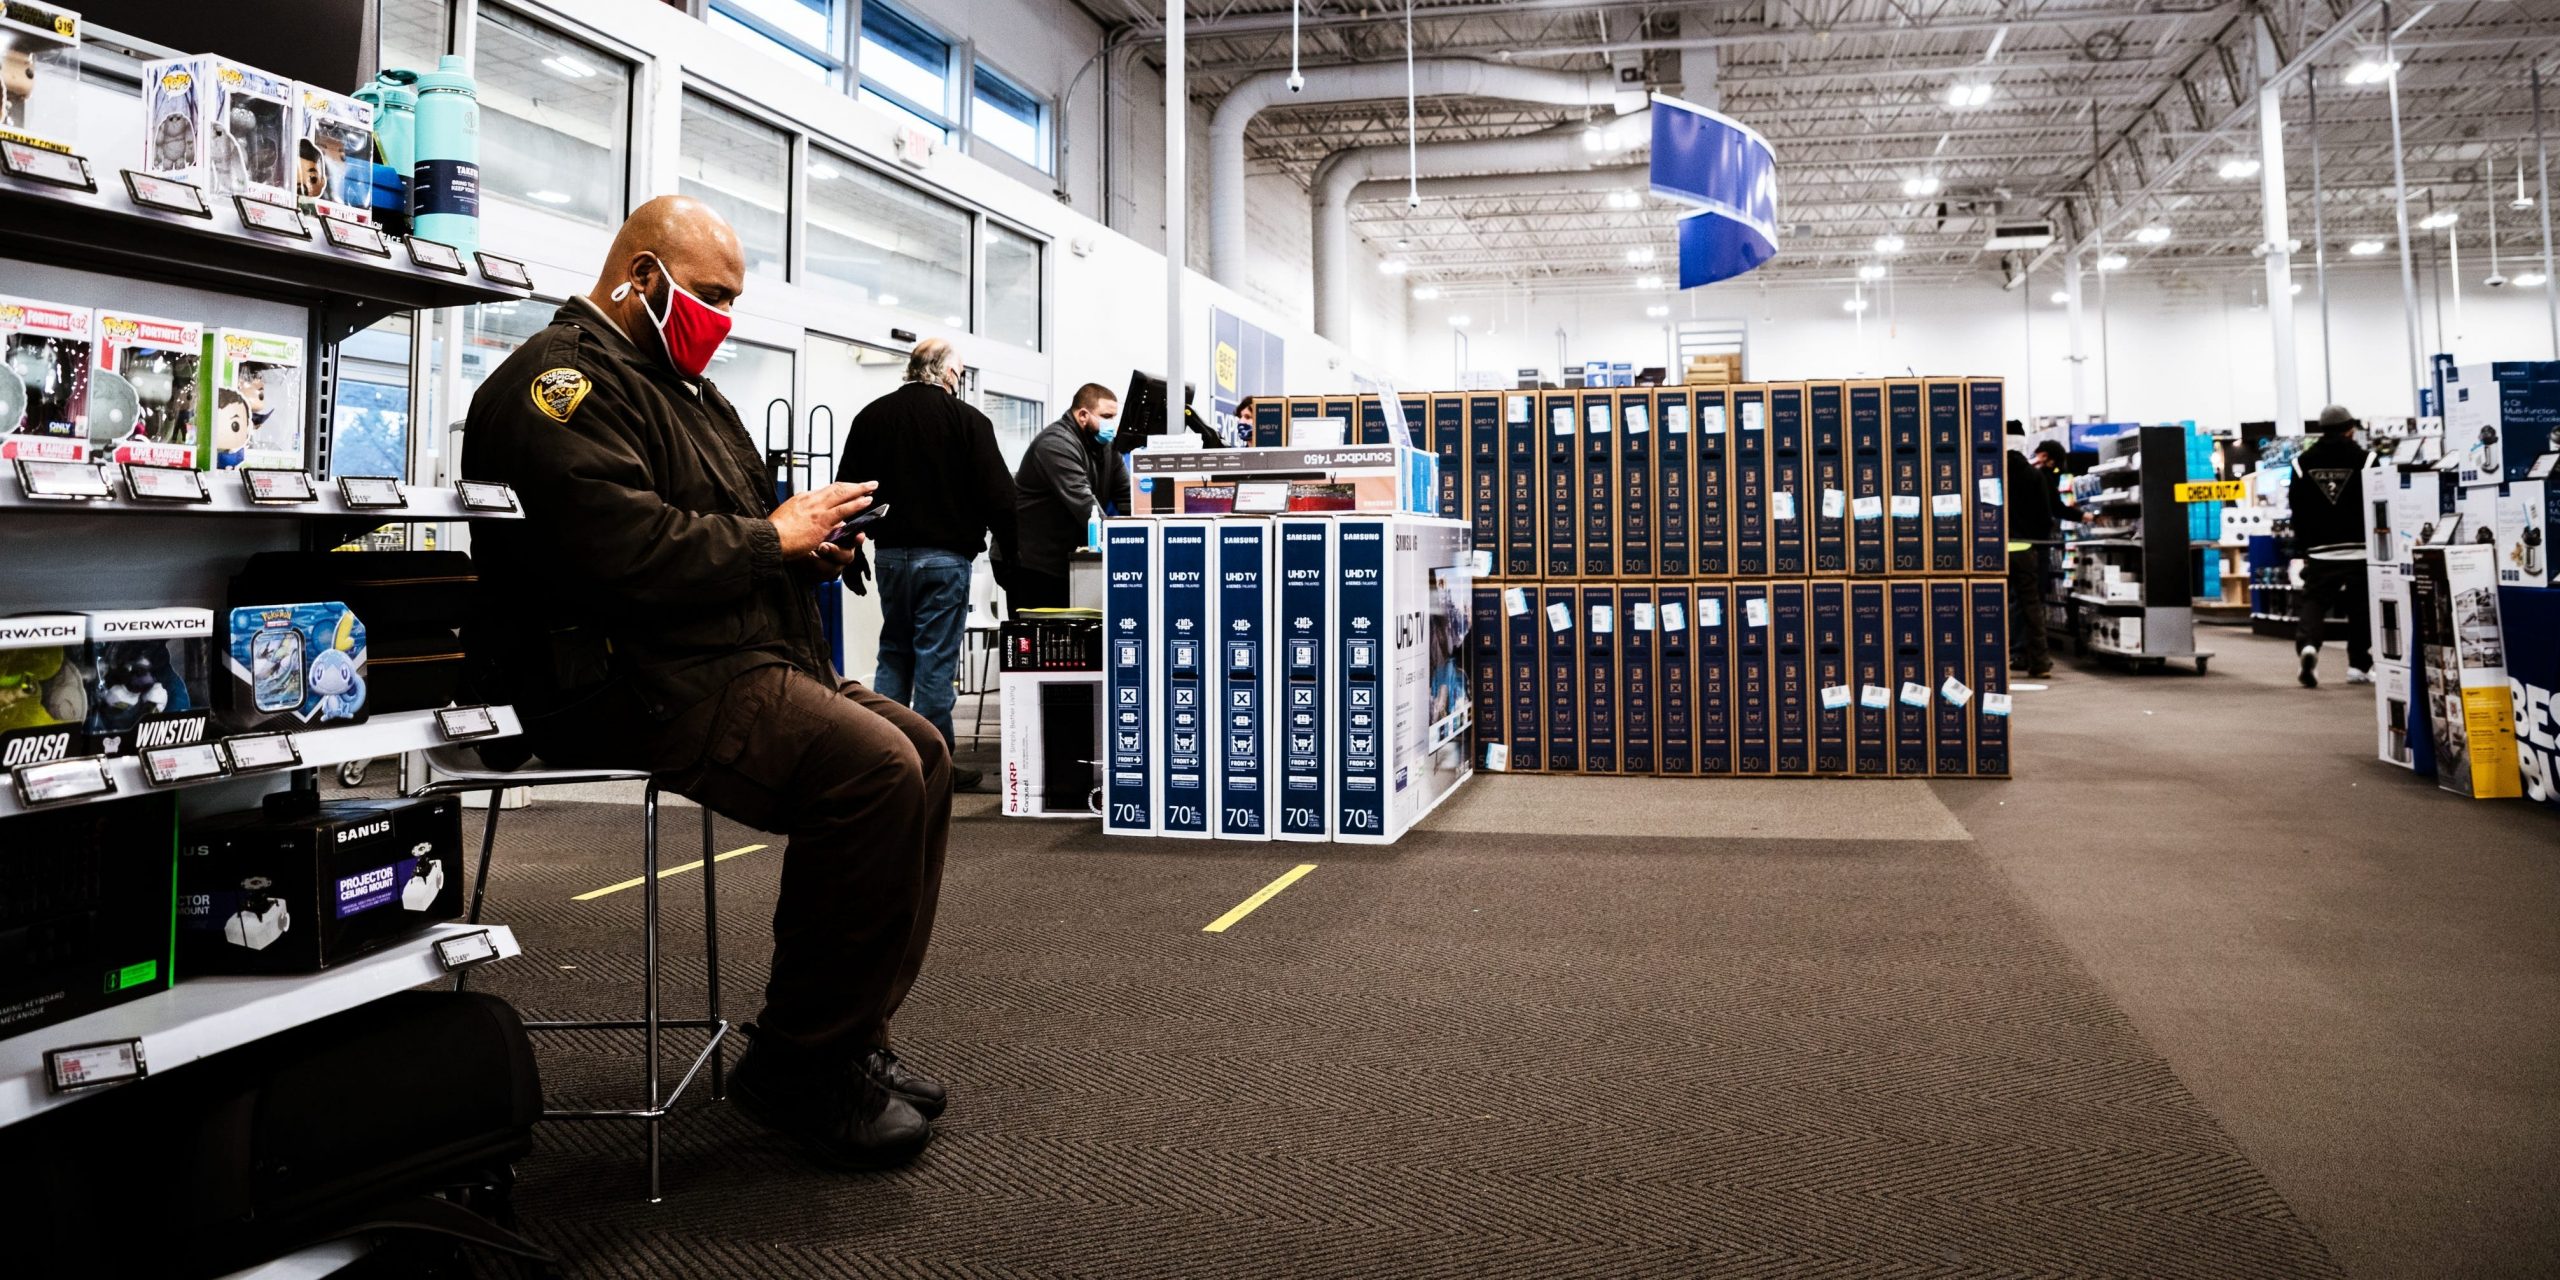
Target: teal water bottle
x,y
444,190
394,95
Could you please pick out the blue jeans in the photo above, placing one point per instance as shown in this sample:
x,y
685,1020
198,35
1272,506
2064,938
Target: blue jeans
x,y
924,608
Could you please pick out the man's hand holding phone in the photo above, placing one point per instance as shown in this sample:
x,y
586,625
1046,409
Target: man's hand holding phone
x,y
806,521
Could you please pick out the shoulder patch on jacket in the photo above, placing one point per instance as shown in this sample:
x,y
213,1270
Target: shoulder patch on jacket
x,y
557,392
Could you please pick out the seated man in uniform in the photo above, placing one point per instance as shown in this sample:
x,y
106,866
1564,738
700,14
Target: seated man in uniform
x,y
654,609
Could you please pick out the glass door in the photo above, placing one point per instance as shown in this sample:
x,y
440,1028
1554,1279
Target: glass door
x,y
843,377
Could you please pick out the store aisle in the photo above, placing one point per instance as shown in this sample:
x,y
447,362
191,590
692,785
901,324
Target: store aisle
x,y
1529,1043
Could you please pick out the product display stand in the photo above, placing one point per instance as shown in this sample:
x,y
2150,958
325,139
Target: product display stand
x,y
2133,596
120,549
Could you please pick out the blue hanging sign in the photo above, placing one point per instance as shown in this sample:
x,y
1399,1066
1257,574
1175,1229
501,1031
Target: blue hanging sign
x,y
1727,169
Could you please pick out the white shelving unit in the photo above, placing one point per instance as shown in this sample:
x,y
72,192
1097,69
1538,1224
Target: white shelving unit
x,y
385,735
228,497
204,1016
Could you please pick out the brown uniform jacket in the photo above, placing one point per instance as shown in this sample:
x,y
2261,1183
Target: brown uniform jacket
x,y
645,575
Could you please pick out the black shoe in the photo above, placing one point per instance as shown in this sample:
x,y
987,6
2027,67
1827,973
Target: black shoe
x,y
846,1121
966,779
2310,676
919,1091
2039,673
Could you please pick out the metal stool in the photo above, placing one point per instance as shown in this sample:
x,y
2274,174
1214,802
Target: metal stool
x,y
456,770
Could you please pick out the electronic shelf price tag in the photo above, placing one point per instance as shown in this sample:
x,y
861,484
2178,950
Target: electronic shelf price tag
x,y
260,752
436,255
273,487
466,950
63,780
62,481
177,766
166,194
505,271
371,493
54,168
165,484
486,495
274,219
462,723
92,1066
356,236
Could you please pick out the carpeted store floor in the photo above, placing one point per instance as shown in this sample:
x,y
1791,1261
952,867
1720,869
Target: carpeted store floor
x,y
2205,992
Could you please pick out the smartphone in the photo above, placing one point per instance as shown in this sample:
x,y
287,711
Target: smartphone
x,y
850,529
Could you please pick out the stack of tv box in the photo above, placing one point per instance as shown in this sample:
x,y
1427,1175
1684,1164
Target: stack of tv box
x,y
1755,579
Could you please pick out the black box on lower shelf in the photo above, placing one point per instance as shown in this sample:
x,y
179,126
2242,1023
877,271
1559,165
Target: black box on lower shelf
x,y
84,908
295,895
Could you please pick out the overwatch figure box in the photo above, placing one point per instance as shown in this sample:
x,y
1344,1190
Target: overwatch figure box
x,y
44,386
149,674
225,127
333,154
44,704
293,666
39,75
250,400
156,359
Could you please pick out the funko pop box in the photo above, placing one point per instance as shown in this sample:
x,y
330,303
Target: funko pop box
x,y
262,895
149,677
291,667
44,701
44,389
222,125
158,359
39,75
333,153
249,401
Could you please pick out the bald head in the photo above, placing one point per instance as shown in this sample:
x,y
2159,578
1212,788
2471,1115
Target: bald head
x,y
675,237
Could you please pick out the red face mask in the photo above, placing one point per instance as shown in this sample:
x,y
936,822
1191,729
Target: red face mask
x,y
690,330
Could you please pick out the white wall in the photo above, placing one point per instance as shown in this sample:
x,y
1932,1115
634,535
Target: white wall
x,y
1041,45
2179,349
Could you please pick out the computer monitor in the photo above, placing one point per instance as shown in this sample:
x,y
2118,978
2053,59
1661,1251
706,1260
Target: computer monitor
x,y
1142,411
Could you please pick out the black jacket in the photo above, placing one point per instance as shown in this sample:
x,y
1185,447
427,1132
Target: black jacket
x,y
934,456
2035,505
644,576
1063,475
2328,494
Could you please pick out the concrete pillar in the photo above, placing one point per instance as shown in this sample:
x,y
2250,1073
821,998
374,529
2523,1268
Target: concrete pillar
x,y
2274,216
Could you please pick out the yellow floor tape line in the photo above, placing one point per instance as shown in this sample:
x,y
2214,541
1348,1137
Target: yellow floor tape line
x,y
1266,894
636,881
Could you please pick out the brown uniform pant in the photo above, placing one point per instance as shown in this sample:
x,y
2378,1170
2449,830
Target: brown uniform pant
x,y
862,786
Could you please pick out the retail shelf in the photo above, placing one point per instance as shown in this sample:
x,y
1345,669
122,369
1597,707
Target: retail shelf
x,y
2114,652
383,735
205,1016
106,230
2105,542
2084,597
228,496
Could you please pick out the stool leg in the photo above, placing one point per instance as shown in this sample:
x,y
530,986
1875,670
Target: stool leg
x,y
649,968
480,878
711,953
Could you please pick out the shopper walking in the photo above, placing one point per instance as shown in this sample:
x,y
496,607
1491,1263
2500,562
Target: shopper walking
x,y
2329,526
934,458
654,610
2035,514
1069,470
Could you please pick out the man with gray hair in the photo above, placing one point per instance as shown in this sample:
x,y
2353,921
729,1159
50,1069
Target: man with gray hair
x,y
934,458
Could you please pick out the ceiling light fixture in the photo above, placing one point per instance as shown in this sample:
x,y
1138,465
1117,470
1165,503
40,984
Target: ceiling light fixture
x,y
1624,200
1853,305
1391,266
1641,255
1648,282
821,171
568,67
2153,234
2297,286
1871,271
2238,168
2530,279
2365,248
1888,243
1924,185
1461,320
1426,292
2522,201
2372,68
2061,297
2440,219
549,197
1963,94
2113,262
1657,311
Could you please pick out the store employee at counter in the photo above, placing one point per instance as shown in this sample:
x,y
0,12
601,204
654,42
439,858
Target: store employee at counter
x,y
654,610
1068,470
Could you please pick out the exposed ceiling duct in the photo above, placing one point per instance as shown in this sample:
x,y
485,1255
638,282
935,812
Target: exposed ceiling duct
x,y
1432,78
1567,147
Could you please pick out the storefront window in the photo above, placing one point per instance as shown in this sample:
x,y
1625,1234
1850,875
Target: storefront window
x,y
491,331
412,33
1009,118
742,169
754,377
555,120
889,243
903,60
1016,420
1013,288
